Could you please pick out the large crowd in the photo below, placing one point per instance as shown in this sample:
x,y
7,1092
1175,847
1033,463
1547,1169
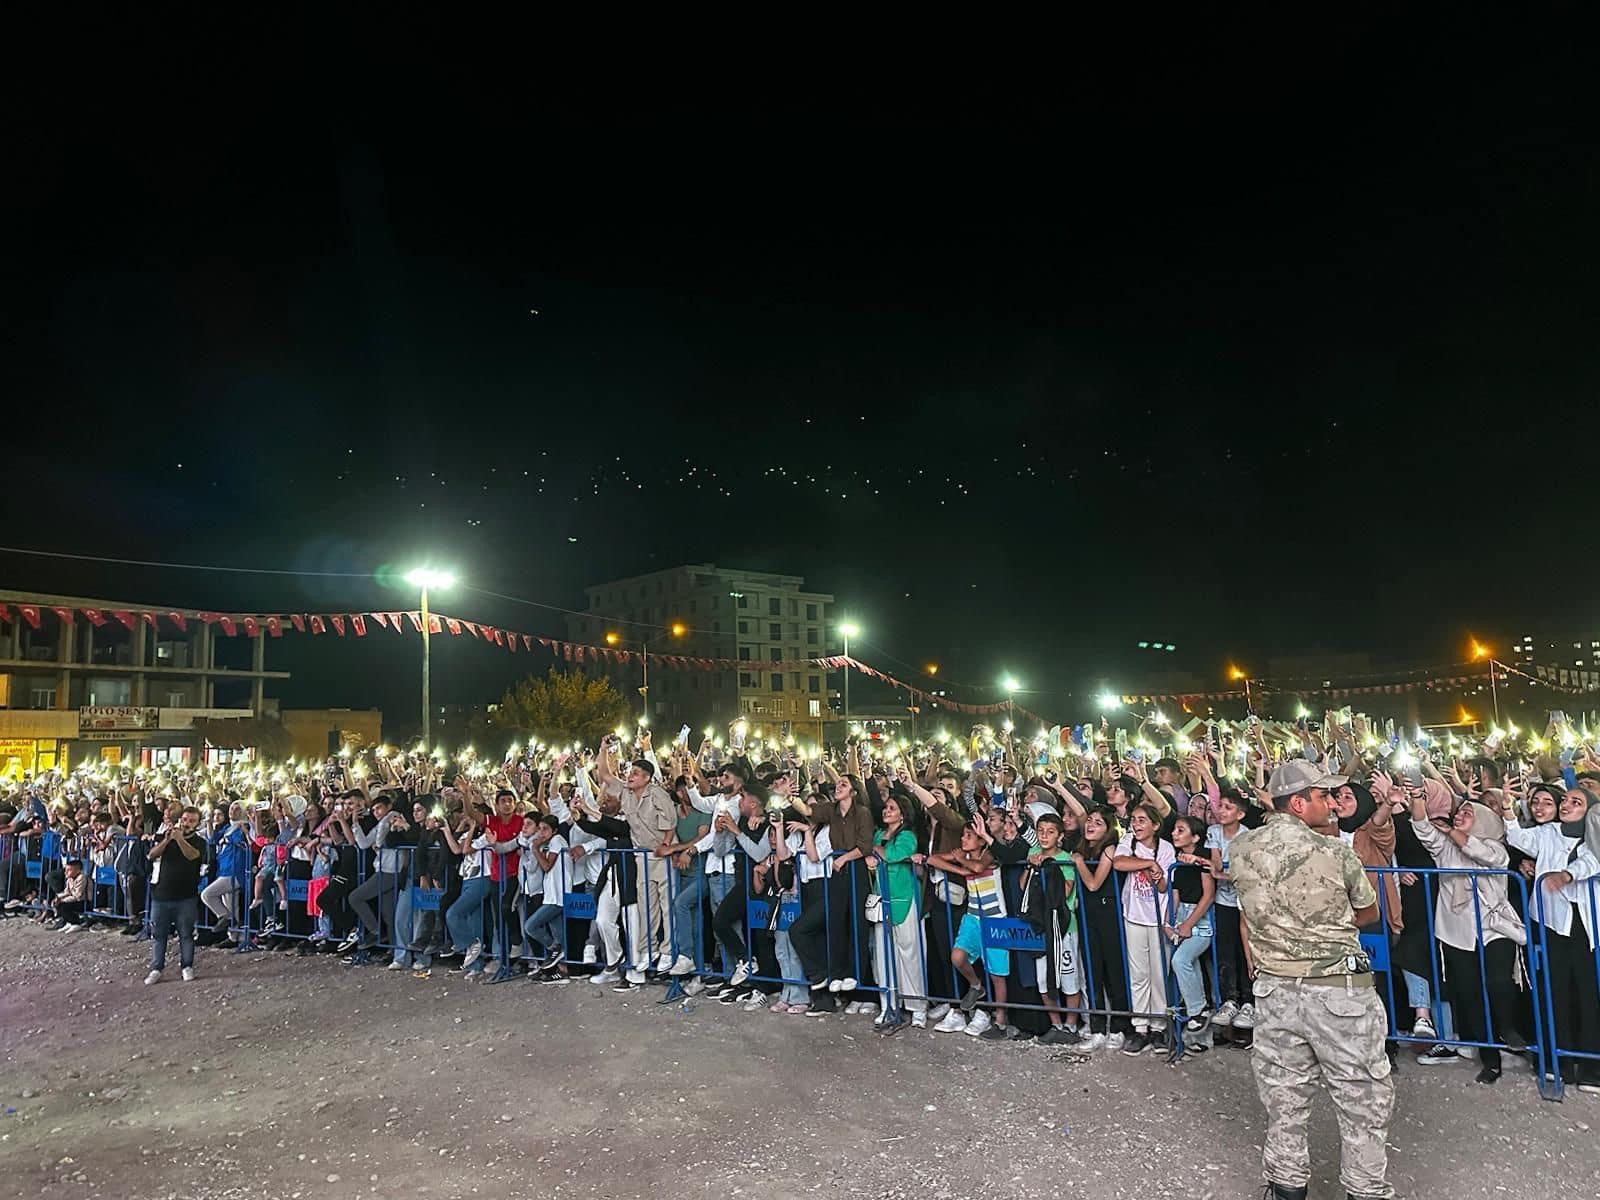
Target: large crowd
x,y
1072,890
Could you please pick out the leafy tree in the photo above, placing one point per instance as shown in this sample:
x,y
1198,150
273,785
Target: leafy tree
x,y
564,706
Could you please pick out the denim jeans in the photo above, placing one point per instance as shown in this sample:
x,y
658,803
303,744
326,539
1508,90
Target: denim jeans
x,y
465,918
718,886
547,925
166,915
688,929
1186,959
795,990
402,924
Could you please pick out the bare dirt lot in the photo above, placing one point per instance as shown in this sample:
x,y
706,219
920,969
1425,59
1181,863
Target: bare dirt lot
x,y
276,1077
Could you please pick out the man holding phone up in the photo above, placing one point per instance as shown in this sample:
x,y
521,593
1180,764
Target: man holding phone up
x,y
1302,898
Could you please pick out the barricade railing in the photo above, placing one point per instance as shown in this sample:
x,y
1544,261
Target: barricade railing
x,y
1576,966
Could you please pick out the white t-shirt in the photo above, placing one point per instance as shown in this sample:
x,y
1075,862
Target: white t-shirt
x,y
1140,900
555,879
1217,840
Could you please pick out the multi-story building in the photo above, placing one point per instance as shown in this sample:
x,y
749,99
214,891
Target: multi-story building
x,y
117,685
705,611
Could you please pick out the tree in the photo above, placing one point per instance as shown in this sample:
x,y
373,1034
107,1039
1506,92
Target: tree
x,y
561,707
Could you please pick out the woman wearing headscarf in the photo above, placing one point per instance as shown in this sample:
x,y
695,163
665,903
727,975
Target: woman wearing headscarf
x,y
1563,863
1477,930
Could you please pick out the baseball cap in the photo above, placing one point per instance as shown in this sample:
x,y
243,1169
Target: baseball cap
x,y
1298,775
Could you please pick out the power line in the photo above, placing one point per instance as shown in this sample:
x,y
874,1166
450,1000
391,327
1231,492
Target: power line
x,y
139,562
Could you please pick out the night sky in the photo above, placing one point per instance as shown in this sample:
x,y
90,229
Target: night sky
x,y
1254,357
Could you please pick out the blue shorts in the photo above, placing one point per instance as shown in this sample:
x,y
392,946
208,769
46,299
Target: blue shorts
x,y
969,939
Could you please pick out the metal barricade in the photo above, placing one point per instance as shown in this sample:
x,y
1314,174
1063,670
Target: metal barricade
x,y
1566,973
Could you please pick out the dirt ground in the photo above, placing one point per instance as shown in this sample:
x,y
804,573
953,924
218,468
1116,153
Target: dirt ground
x,y
275,1077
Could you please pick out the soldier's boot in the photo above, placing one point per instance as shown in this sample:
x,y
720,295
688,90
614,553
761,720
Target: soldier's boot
x,y
1277,1191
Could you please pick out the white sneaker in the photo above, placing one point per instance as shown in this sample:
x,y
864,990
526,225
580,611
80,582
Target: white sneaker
x,y
153,977
1226,1014
188,974
1423,1028
953,1022
919,1020
683,966
395,965
740,974
605,977
757,1001
847,984
977,1023
474,953
877,1021
860,1008
1115,1041
1092,1041
636,977
938,1012
71,928
664,962
589,955
1246,1018
694,987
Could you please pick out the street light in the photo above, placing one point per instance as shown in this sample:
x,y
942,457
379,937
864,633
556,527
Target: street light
x,y
848,629
1009,685
425,578
1109,701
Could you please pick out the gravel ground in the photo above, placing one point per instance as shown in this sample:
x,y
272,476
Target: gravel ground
x,y
275,1077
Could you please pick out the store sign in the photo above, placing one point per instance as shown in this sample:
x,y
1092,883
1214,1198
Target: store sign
x,y
111,717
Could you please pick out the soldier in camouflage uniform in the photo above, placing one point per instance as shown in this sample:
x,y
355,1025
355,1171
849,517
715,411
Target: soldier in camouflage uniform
x,y
1302,896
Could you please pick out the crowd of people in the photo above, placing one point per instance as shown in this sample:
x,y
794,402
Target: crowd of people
x,y
1073,894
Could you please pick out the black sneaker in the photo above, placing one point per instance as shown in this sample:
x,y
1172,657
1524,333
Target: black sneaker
x,y
622,985
1435,1055
970,998
1000,1033
733,995
1060,1035
1136,1043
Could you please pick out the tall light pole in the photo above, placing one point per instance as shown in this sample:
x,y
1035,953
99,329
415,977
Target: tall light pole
x,y
849,629
425,578
1010,685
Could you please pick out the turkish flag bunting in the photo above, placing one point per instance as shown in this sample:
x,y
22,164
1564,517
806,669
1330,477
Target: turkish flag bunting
x,y
298,621
317,624
150,619
5,612
394,623
416,620
252,626
547,643
338,623
358,622
228,627
511,642
275,626
96,617
30,614
181,621
487,632
126,618
381,619
453,625
577,654
434,624
64,613
527,641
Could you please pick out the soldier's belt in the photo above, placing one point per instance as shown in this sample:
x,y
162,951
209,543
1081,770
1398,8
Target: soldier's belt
x,y
1363,980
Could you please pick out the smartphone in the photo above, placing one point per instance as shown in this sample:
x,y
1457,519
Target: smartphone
x,y
683,736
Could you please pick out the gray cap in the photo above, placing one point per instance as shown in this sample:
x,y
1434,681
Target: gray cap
x,y
1298,775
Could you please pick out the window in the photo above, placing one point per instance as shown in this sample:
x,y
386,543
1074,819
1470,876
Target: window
x,y
716,681
814,707
811,612
694,682
794,652
776,654
813,685
744,653
811,637
713,604
744,626
746,679
777,683
42,697
794,680
774,631
794,631
794,608
774,607
177,699
716,627
691,606
658,587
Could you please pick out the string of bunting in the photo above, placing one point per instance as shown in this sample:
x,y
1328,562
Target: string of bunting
x,y
1263,687
1558,679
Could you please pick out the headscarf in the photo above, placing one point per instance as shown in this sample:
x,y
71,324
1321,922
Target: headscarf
x,y
1366,806
1455,890
1575,829
1441,803
1591,829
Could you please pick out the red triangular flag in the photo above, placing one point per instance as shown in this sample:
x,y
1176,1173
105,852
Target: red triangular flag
x,y
472,629
453,625
358,622
96,617
338,623
434,625
381,619
527,641
126,618
511,642
298,620
317,624
228,627
416,620
252,626
181,621
65,614
394,623
547,643
5,612
275,626
150,619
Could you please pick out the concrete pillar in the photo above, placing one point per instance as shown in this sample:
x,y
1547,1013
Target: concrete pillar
x,y
66,640
258,664
140,649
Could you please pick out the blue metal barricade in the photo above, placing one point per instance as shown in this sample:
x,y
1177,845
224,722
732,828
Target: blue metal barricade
x,y
1566,973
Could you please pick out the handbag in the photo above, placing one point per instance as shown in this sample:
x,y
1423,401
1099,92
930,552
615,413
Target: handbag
x,y
952,893
875,907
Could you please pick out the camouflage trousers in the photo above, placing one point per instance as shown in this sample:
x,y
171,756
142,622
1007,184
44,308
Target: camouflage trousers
x,y
1306,1032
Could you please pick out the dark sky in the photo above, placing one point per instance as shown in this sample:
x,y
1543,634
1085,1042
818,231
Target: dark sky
x,y
1257,353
